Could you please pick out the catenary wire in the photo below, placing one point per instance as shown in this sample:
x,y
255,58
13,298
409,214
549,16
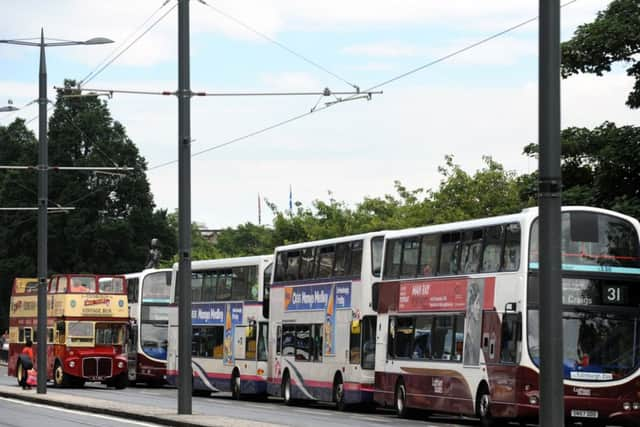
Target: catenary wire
x,y
377,86
94,73
277,43
112,60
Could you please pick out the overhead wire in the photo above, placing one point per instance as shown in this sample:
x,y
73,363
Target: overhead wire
x,y
377,86
112,60
279,44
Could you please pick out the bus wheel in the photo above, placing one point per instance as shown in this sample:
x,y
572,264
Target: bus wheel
x,y
121,381
286,390
483,408
20,372
338,393
401,399
60,378
235,385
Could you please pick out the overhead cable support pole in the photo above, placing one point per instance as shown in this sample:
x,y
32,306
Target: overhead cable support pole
x,y
43,196
550,195
185,375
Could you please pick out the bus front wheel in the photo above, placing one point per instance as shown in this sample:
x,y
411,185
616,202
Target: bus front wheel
x,y
20,372
235,385
286,390
483,409
60,378
338,393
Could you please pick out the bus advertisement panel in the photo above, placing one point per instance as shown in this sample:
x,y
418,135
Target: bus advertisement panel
x,y
458,318
87,323
229,325
322,326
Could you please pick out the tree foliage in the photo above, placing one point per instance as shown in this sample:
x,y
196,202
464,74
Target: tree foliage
x,y
601,167
114,218
614,36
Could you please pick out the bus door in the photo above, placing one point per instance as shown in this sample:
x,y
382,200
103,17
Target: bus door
x,y
132,351
239,342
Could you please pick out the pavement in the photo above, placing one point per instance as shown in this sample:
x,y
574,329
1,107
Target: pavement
x,y
148,414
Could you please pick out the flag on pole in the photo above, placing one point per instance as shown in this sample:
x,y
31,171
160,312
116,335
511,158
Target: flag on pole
x,y
259,211
290,199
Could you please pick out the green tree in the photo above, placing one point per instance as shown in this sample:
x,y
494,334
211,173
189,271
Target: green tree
x,y
114,221
18,146
614,36
489,192
600,167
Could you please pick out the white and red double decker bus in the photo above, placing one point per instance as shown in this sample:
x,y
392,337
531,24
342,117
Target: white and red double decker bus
x,y
322,345
87,323
458,324
149,295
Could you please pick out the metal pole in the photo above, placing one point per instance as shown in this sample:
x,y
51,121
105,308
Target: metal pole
x,y
185,385
43,161
550,192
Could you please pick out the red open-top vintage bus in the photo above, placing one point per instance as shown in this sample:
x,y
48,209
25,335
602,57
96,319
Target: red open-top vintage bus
x,y
87,320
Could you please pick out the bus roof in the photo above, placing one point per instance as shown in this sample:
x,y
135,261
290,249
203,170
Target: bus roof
x,y
332,240
228,262
526,214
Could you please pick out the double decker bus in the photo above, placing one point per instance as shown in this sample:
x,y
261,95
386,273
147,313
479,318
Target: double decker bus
x,y
149,294
87,324
458,318
229,325
322,323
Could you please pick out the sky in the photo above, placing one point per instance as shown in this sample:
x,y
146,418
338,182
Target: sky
x,y
481,102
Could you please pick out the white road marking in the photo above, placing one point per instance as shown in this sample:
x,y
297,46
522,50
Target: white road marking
x,y
71,411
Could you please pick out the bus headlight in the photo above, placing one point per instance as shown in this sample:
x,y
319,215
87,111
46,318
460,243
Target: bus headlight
x,y
72,364
120,364
533,400
626,406
636,406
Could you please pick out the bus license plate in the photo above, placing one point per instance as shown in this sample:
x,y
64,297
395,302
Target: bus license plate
x,y
581,413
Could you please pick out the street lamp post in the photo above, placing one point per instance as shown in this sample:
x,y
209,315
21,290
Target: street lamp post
x,y
43,190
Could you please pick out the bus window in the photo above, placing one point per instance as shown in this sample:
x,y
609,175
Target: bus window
x,y
281,267
354,345
429,255
278,339
511,259
304,343
293,265
325,261
449,254
376,255
208,342
471,251
132,289
263,341
368,332
209,281
83,285
109,334
253,287
343,255
422,341
80,333
492,251
394,259
288,340
196,286
59,334
318,334
510,338
356,259
266,290
307,263
225,284
239,289
403,341
410,249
